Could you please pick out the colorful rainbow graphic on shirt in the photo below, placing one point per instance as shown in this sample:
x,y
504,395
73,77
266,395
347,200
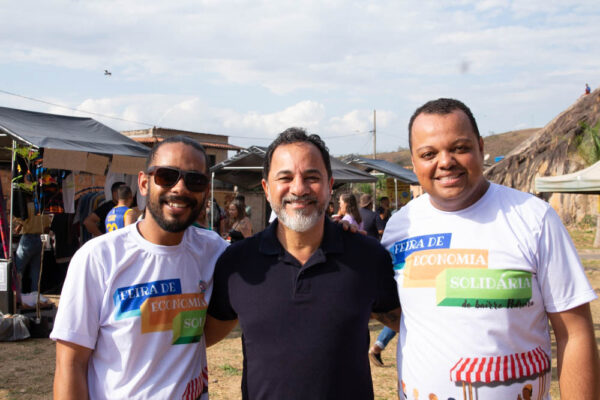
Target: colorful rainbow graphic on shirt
x,y
461,277
163,307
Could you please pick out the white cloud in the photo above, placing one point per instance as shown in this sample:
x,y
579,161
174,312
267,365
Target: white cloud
x,y
254,68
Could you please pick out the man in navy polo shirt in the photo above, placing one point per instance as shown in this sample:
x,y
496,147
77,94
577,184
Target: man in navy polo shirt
x,y
303,289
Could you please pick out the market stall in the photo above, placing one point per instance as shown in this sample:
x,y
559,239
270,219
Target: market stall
x,y
64,143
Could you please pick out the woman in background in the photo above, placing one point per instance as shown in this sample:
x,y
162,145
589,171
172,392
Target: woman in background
x,y
349,210
239,224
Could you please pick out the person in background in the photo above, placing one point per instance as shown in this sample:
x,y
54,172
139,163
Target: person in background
x,y
588,90
94,222
368,216
383,214
330,209
349,210
216,214
239,225
303,289
481,269
121,215
29,251
247,209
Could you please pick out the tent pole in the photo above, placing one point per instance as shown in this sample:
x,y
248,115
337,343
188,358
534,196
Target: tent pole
x,y
212,200
396,192
10,223
10,233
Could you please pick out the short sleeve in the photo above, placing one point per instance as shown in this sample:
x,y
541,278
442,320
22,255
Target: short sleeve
x,y
561,277
78,317
387,298
220,301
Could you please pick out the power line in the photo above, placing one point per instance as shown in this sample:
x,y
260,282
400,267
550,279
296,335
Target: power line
x,y
75,109
143,123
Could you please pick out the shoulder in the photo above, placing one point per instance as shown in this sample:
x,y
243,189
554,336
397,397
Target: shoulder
x,y
205,239
245,221
512,201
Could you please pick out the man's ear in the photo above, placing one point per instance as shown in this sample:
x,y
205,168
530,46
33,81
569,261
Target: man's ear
x,y
143,183
265,187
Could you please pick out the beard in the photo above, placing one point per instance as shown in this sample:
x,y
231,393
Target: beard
x,y
299,220
172,225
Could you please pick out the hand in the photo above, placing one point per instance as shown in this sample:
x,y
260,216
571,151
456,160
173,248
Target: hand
x,y
347,226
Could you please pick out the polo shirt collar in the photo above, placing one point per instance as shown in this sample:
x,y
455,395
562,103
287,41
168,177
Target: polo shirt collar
x,y
332,239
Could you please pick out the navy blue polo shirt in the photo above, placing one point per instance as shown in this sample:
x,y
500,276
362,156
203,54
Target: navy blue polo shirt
x,y
305,328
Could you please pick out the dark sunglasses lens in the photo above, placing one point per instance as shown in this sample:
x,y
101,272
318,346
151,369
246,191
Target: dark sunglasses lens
x,y
166,177
195,181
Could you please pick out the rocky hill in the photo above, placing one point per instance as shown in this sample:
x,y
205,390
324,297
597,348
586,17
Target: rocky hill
x,y
553,150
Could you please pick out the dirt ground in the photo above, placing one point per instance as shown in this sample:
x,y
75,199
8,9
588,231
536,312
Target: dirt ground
x,y
27,367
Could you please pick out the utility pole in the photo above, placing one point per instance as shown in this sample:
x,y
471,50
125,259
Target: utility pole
x,y
374,134
374,155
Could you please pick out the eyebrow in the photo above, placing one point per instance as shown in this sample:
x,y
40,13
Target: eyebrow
x,y
457,141
308,171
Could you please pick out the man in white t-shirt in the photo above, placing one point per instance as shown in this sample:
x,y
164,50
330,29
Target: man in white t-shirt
x,y
132,310
481,268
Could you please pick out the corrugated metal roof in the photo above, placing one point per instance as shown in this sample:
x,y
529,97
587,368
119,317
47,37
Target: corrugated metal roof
x,y
208,145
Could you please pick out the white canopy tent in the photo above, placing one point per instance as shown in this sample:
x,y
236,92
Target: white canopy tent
x,y
585,181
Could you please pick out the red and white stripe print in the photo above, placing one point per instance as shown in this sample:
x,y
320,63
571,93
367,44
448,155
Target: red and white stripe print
x,y
500,368
196,386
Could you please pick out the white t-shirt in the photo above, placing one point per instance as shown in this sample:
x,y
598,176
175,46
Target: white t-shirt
x,y
141,307
475,286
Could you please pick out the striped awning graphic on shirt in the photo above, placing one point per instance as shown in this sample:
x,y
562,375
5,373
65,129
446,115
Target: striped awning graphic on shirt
x,y
500,368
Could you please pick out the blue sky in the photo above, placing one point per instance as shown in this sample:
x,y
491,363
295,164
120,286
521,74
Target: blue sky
x,y
250,69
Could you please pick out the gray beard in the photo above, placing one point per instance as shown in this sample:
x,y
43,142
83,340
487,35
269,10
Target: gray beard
x,y
298,221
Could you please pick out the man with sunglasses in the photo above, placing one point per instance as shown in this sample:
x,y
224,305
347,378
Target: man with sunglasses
x,y
132,312
303,289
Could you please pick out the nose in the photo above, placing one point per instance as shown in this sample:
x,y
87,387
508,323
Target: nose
x,y
446,159
179,186
299,186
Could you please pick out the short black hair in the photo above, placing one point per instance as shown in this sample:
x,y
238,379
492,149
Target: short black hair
x,y
178,139
442,106
115,186
296,135
241,198
124,192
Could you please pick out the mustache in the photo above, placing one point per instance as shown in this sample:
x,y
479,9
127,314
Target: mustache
x,y
291,198
179,199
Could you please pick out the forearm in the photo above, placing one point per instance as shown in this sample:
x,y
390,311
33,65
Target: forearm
x,y
391,319
92,227
215,330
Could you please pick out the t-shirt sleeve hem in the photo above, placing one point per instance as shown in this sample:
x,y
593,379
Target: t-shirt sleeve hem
x,y
73,337
568,304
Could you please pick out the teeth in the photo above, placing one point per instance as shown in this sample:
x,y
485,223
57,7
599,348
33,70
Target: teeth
x,y
447,178
176,205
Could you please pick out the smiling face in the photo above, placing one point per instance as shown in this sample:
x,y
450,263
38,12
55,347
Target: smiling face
x,y
448,160
173,209
298,187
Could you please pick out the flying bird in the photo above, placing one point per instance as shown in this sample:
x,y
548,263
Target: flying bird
x,y
107,72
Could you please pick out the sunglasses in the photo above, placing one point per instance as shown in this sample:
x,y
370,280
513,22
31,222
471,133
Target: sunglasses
x,y
168,177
